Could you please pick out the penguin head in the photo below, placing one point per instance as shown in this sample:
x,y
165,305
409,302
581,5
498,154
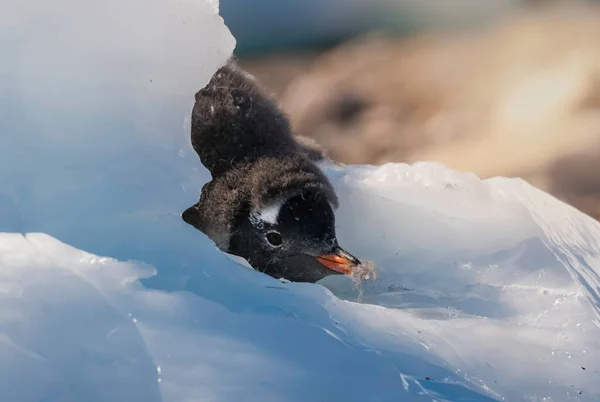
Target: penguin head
x,y
292,238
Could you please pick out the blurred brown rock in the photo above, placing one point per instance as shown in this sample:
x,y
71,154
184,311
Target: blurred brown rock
x,y
519,98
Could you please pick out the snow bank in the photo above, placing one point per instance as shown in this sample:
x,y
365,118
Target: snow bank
x,y
496,277
486,290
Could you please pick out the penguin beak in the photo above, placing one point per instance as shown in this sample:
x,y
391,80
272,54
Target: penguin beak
x,y
339,260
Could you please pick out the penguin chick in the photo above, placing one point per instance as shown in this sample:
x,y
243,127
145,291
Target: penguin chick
x,y
267,201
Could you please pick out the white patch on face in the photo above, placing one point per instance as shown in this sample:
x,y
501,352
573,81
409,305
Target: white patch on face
x,y
268,214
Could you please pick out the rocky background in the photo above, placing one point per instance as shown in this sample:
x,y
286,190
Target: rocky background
x,y
516,96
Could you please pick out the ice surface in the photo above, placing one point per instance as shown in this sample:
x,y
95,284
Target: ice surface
x,y
485,290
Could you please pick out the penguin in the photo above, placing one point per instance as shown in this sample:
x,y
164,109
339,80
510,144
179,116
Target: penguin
x,y
268,201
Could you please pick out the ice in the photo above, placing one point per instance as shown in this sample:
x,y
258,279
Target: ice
x,y
486,290
496,277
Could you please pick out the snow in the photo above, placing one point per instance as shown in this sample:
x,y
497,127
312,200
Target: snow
x,y
486,290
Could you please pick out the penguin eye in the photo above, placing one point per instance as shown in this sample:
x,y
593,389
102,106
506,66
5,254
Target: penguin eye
x,y
274,238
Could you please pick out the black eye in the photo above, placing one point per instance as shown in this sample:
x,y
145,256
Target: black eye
x,y
274,238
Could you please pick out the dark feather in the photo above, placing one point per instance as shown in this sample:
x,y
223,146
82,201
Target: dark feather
x,y
245,141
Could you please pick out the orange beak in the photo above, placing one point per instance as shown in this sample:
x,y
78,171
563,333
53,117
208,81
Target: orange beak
x,y
342,262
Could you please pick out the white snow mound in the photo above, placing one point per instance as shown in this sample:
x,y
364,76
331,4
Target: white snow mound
x,y
486,290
